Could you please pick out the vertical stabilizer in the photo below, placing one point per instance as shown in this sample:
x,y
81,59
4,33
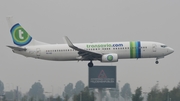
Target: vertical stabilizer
x,y
19,35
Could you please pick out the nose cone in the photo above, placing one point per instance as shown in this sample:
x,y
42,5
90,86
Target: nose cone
x,y
170,50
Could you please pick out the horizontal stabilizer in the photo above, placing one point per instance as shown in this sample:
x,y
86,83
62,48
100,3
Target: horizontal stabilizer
x,y
17,48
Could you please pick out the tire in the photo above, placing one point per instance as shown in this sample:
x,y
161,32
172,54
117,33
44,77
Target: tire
x,y
157,62
90,64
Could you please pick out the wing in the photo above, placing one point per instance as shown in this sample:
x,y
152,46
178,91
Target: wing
x,y
85,54
17,48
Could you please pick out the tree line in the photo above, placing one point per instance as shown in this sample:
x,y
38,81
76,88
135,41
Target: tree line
x,y
81,93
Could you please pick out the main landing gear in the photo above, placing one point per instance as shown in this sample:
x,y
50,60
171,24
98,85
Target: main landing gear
x,y
90,64
157,61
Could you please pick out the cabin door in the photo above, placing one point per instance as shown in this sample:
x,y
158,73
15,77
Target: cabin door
x,y
38,52
154,47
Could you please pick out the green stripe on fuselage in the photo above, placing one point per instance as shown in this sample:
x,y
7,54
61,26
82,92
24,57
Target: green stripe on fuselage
x,y
132,49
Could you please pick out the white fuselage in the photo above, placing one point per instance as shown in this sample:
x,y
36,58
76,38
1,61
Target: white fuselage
x,y
124,50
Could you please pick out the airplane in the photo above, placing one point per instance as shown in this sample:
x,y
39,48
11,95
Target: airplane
x,y
99,51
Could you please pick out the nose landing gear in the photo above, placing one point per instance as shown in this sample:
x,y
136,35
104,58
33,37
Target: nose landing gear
x,y
157,61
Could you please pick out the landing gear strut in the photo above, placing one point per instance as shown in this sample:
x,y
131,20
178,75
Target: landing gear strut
x,y
90,64
157,61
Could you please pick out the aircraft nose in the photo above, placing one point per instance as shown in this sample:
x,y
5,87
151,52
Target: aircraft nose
x,y
170,50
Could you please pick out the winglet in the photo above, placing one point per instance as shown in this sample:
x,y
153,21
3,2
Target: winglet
x,y
70,44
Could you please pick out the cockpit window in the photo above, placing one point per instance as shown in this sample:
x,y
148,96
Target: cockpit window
x,y
163,46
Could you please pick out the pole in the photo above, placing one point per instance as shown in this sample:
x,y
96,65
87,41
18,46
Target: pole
x,y
100,93
52,90
80,96
17,93
119,90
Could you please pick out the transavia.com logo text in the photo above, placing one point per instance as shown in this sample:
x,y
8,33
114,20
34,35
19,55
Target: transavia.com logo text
x,y
103,45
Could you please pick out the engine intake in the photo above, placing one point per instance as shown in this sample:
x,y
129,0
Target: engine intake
x,y
110,58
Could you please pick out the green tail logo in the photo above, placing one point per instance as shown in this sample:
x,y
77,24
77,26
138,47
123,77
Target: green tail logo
x,y
19,35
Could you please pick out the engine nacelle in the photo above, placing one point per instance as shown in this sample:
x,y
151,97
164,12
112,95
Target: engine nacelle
x,y
110,57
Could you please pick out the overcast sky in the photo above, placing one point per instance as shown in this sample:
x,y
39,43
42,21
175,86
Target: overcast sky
x,y
90,21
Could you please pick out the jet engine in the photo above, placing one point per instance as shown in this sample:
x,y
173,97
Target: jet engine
x,y
112,57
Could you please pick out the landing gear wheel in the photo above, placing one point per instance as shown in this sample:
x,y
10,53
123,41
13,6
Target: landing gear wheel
x,y
157,62
90,64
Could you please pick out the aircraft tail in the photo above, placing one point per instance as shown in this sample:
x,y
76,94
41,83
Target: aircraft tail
x,y
19,35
